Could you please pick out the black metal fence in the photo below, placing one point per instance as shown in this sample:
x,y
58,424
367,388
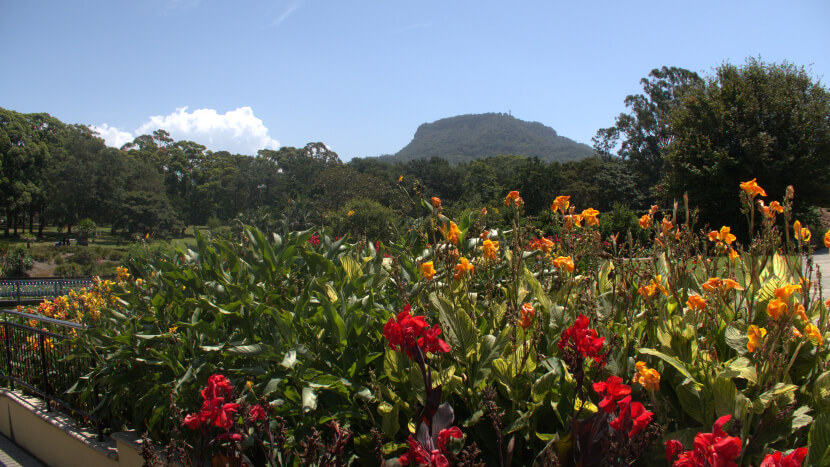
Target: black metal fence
x,y
32,289
33,358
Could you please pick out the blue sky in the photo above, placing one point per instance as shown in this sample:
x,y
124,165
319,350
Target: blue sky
x,y
361,76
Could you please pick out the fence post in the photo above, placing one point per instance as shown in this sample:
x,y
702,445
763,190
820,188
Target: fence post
x,y
43,373
8,353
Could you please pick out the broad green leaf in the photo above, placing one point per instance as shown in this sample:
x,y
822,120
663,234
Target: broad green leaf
x,y
309,399
677,364
290,359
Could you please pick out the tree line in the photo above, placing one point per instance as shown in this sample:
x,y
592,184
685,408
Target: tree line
x,y
684,134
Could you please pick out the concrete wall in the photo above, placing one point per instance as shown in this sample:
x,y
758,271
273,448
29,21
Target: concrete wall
x,y
57,441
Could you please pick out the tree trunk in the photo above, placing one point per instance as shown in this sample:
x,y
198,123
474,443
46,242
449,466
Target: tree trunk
x,y
41,218
31,220
14,227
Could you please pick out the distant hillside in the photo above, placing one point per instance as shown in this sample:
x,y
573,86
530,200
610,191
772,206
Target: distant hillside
x,y
469,137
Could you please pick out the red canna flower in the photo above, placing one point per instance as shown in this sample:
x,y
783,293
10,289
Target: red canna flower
x,y
612,390
430,342
445,435
406,331
583,340
256,413
192,421
217,386
715,449
673,449
795,459
633,417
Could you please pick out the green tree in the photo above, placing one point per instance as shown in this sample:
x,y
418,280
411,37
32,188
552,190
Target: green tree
x,y
759,120
643,135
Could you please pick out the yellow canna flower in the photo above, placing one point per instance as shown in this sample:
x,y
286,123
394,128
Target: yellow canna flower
x,y
428,270
647,377
733,255
350,213
812,332
752,189
490,249
561,203
755,336
590,216
645,221
173,329
400,179
696,302
777,308
564,263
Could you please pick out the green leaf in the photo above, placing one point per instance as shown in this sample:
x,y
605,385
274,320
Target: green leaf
x,y
779,391
735,338
249,350
819,440
290,359
309,399
677,364
690,395
725,393
740,368
271,386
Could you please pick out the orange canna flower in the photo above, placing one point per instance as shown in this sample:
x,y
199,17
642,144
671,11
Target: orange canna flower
x,y
436,202
784,292
564,262
428,270
733,255
724,235
647,377
667,226
755,336
696,302
752,189
572,220
463,267
645,221
796,332
649,290
543,244
528,312
513,199
777,308
561,203
653,210
827,239
590,216
801,233
450,233
490,249
801,312
812,332
400,179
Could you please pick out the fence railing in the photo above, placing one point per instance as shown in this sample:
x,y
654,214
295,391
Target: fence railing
x,y
32,289
34,359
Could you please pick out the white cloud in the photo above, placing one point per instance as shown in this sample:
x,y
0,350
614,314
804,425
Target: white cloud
x,y
111,135
292,7
236,131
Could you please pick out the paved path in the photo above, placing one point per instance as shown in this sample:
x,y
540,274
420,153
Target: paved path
x,y
12,455
821,262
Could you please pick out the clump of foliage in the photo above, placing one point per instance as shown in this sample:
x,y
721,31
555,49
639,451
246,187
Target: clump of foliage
x,y
15,260
456,342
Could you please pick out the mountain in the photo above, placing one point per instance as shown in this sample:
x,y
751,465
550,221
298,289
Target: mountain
x,y
469,137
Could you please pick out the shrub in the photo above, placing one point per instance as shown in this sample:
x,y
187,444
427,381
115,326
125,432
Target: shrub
x,y
69,270
15,261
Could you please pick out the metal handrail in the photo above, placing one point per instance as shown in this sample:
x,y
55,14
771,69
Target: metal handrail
x,y
32,362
